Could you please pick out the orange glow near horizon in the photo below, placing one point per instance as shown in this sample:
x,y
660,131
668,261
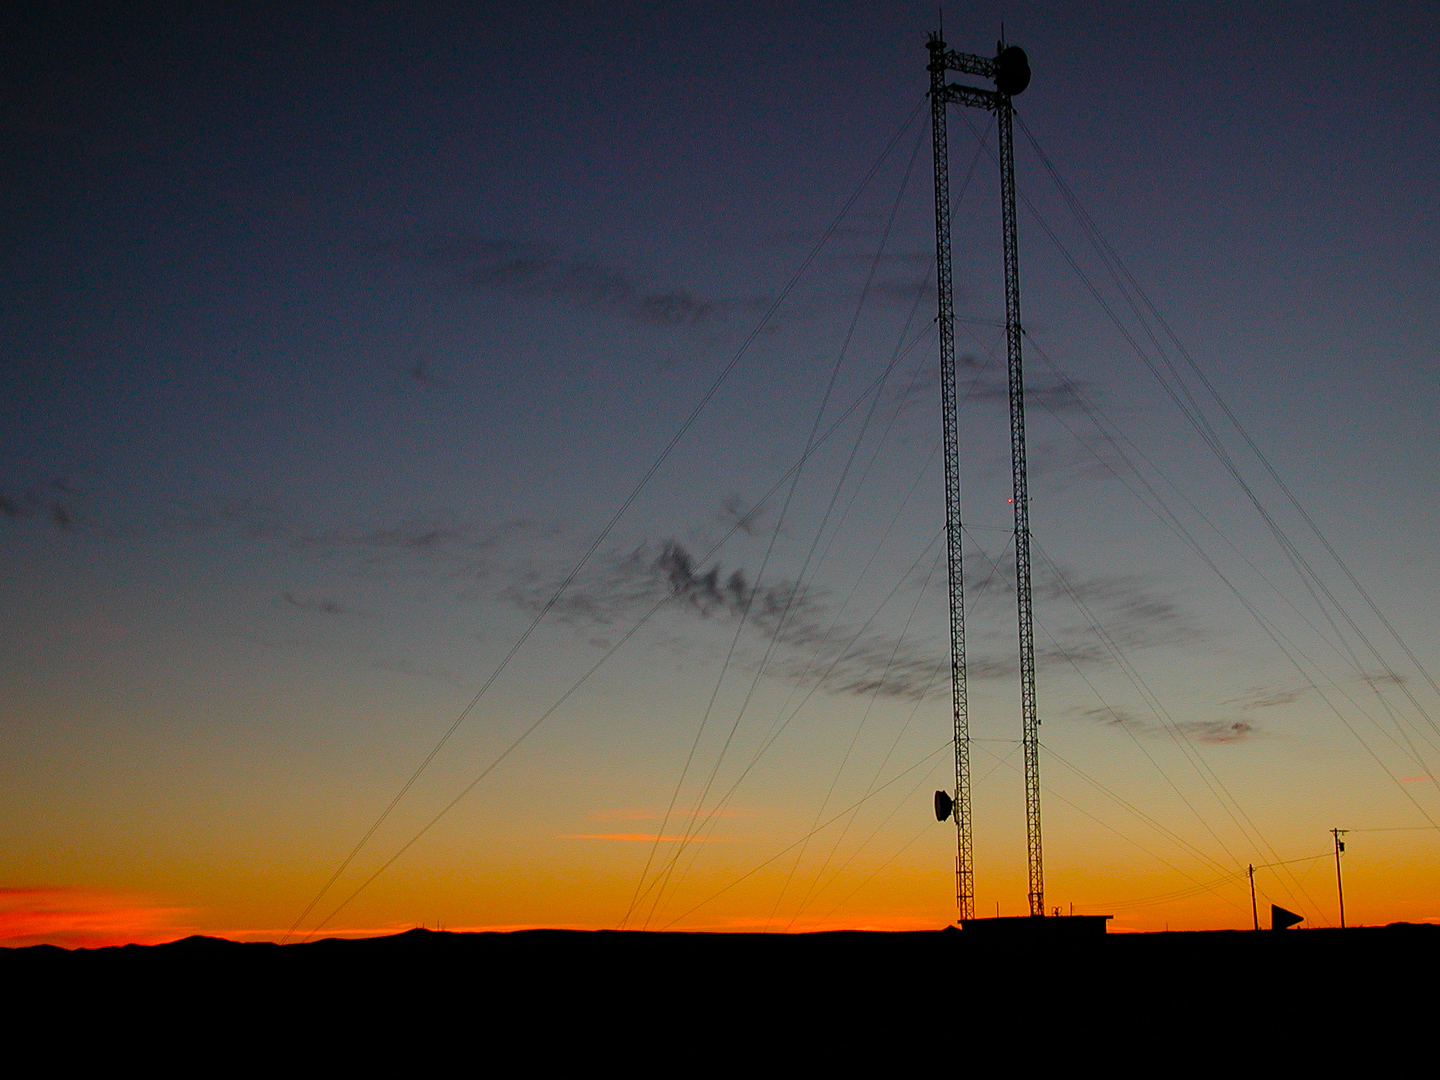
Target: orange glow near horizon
x,y
83,918
72,917
524,868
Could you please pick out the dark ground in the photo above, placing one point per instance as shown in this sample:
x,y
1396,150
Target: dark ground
x,y
1132,1003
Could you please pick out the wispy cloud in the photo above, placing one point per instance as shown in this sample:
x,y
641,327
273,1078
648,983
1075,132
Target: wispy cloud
x,y
251,520
444,675
841,655
458,549
85,918
521,562
655,814
52,502
843,659
1131,612
638,837
1070,459
903,289
1266,697
419,371
1207,731
1218,731
986,385
787,238
737,513
501,265
321,605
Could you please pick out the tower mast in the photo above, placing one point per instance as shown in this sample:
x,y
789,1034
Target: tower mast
x,y
964,861
1009,69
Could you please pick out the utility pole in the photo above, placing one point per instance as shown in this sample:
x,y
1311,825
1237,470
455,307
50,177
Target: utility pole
x,y
1339,882
1009,69
1254,911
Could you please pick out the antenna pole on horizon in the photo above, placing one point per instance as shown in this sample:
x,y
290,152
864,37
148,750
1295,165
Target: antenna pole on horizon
x,y
1339,882
1009,69
1254,911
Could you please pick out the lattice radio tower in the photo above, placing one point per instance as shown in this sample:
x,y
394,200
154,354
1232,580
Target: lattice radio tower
x,y
1009,70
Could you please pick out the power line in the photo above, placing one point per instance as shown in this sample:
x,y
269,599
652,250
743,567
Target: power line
x,y
782,720
869,708
864,395
618,514
1190,408
1104,245
1154,703
801,577
820,828
772,737
995,568
871,389
1109,431
1195,759
1172,521
981,145
1104,824
1205,430
1016,747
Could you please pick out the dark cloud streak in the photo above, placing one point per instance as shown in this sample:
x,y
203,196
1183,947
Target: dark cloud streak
x,y
490,265
845,658
41,501
1206,731
320,605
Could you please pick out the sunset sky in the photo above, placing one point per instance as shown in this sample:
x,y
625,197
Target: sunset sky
x,y
335,338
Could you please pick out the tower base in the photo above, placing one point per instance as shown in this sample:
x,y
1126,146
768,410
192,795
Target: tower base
x,y
1037,927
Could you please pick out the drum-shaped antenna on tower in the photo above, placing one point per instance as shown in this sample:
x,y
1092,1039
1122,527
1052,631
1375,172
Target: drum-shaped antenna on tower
x,y
943,805
1012,71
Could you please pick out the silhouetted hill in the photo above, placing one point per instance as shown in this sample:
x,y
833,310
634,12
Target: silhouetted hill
x,y
1179,997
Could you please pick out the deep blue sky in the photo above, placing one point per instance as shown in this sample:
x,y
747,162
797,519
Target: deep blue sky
x,y
333,333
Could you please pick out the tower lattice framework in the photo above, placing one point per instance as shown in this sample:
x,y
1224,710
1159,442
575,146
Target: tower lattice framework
x,y
1009,70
